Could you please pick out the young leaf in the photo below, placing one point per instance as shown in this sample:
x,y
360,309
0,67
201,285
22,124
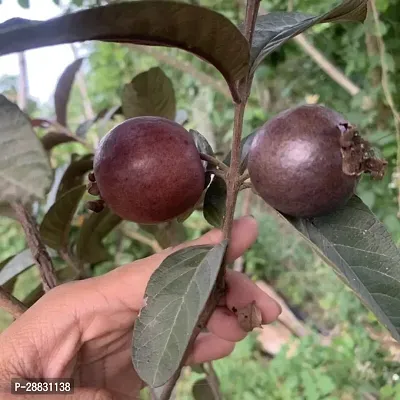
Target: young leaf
x,y
56,224
75,173
209,35
274,29
149,93
245,146
176,295
89,246
362,252
214,202
63,90
202,390
53,139
25,171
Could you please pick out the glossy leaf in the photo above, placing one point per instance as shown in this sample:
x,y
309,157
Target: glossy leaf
x,y
149,93
53,139
209,35
362,252
89,245
75,173
56,224
245,146
63,90
25,171
274,29
175,297
202,390
214,202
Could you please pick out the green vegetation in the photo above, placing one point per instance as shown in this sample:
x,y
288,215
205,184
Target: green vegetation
x,y
352,365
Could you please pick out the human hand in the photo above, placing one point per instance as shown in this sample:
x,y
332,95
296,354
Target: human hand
x,y
83,329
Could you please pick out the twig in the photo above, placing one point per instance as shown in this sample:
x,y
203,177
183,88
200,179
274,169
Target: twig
x,y
38,250
246,185
212,380
214,161
244,177
232,181
186,67
385,80
10,304
142,239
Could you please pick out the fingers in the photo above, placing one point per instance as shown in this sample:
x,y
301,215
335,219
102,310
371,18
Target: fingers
x,y
209,347
241,291
224,324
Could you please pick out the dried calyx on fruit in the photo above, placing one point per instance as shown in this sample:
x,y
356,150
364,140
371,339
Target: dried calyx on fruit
x,y
307,161
147,170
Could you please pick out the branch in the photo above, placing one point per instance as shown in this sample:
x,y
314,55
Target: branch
x,y
214,161
212,380
232,183
385,80
10,304
38,250
186,67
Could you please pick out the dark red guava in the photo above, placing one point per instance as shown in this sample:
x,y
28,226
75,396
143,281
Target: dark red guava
x,y
306,161
148,170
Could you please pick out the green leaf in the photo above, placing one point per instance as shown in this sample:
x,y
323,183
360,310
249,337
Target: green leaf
x,y
274,29
24,3
25,171
89,245
214,202
201,390
245,146
63,90
149,93
209,35
84,127
363,254
53,139
175,297
75,174
56,224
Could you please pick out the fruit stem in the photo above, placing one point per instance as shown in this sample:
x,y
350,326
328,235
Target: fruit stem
x,y
214,161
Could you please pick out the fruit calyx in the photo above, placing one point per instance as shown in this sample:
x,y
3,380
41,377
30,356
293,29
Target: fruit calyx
x,y
358,155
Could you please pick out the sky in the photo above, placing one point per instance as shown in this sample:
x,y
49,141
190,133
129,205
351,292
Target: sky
x,y
44,65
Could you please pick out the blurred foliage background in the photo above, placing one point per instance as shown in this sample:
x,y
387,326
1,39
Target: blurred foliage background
x,y
346,355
